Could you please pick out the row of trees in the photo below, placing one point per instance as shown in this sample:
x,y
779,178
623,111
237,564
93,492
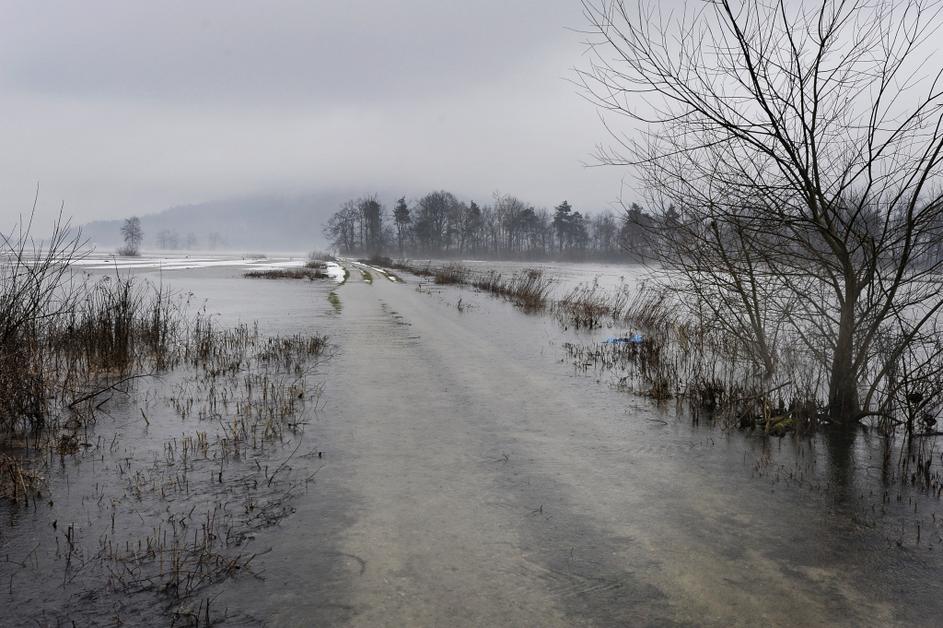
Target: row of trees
x,y
170,239
439,224
167,239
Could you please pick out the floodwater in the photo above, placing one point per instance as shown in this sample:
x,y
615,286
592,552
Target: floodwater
x,y
459,471
565,276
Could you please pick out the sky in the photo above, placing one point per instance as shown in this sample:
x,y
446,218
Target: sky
x,y
116,108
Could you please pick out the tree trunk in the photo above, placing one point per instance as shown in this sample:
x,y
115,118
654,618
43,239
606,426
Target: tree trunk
x,y
843,403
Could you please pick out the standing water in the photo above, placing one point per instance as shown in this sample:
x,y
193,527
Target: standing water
x,y
446,463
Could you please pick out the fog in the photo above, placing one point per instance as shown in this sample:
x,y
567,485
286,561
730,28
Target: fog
x,y
117,108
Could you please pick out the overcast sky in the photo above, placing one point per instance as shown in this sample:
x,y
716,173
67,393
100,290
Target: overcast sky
x,y
120,107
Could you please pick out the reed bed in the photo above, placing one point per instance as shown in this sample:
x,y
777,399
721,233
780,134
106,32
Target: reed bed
x,y
528,289
590,307
684,354
593,307
680,355
450,274
53,358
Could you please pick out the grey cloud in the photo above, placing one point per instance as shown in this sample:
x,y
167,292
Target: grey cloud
x,y
130,107
307,53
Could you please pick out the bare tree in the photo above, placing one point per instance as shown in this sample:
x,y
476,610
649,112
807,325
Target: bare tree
x,y
133,236
342,228
800,143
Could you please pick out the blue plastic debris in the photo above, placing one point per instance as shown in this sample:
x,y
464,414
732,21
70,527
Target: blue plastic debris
x,y
631,339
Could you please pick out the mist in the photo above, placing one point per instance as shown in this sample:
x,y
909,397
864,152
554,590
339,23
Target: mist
x,y
115,109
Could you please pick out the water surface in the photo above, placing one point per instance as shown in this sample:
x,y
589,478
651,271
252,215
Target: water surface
x,y
467,474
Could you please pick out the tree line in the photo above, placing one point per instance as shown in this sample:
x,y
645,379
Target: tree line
x,y
170,239
167,239
440,225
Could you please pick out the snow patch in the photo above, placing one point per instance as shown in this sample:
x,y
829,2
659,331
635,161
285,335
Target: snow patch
x,y
384,273
177,263
335,272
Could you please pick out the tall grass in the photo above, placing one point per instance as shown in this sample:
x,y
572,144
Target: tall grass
x,y
528,289
451,274
64,337
683,356
588,307
112,328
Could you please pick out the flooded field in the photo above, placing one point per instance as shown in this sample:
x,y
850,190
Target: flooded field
x,y
440,460
565,276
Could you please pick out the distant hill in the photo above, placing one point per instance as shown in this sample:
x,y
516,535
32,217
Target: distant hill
x,y
262,222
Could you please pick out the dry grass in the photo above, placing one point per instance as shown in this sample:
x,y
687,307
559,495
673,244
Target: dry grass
x,y
57,364
308,272
450,274
528,289
684,357
687,355
18,482
60,337
590,307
